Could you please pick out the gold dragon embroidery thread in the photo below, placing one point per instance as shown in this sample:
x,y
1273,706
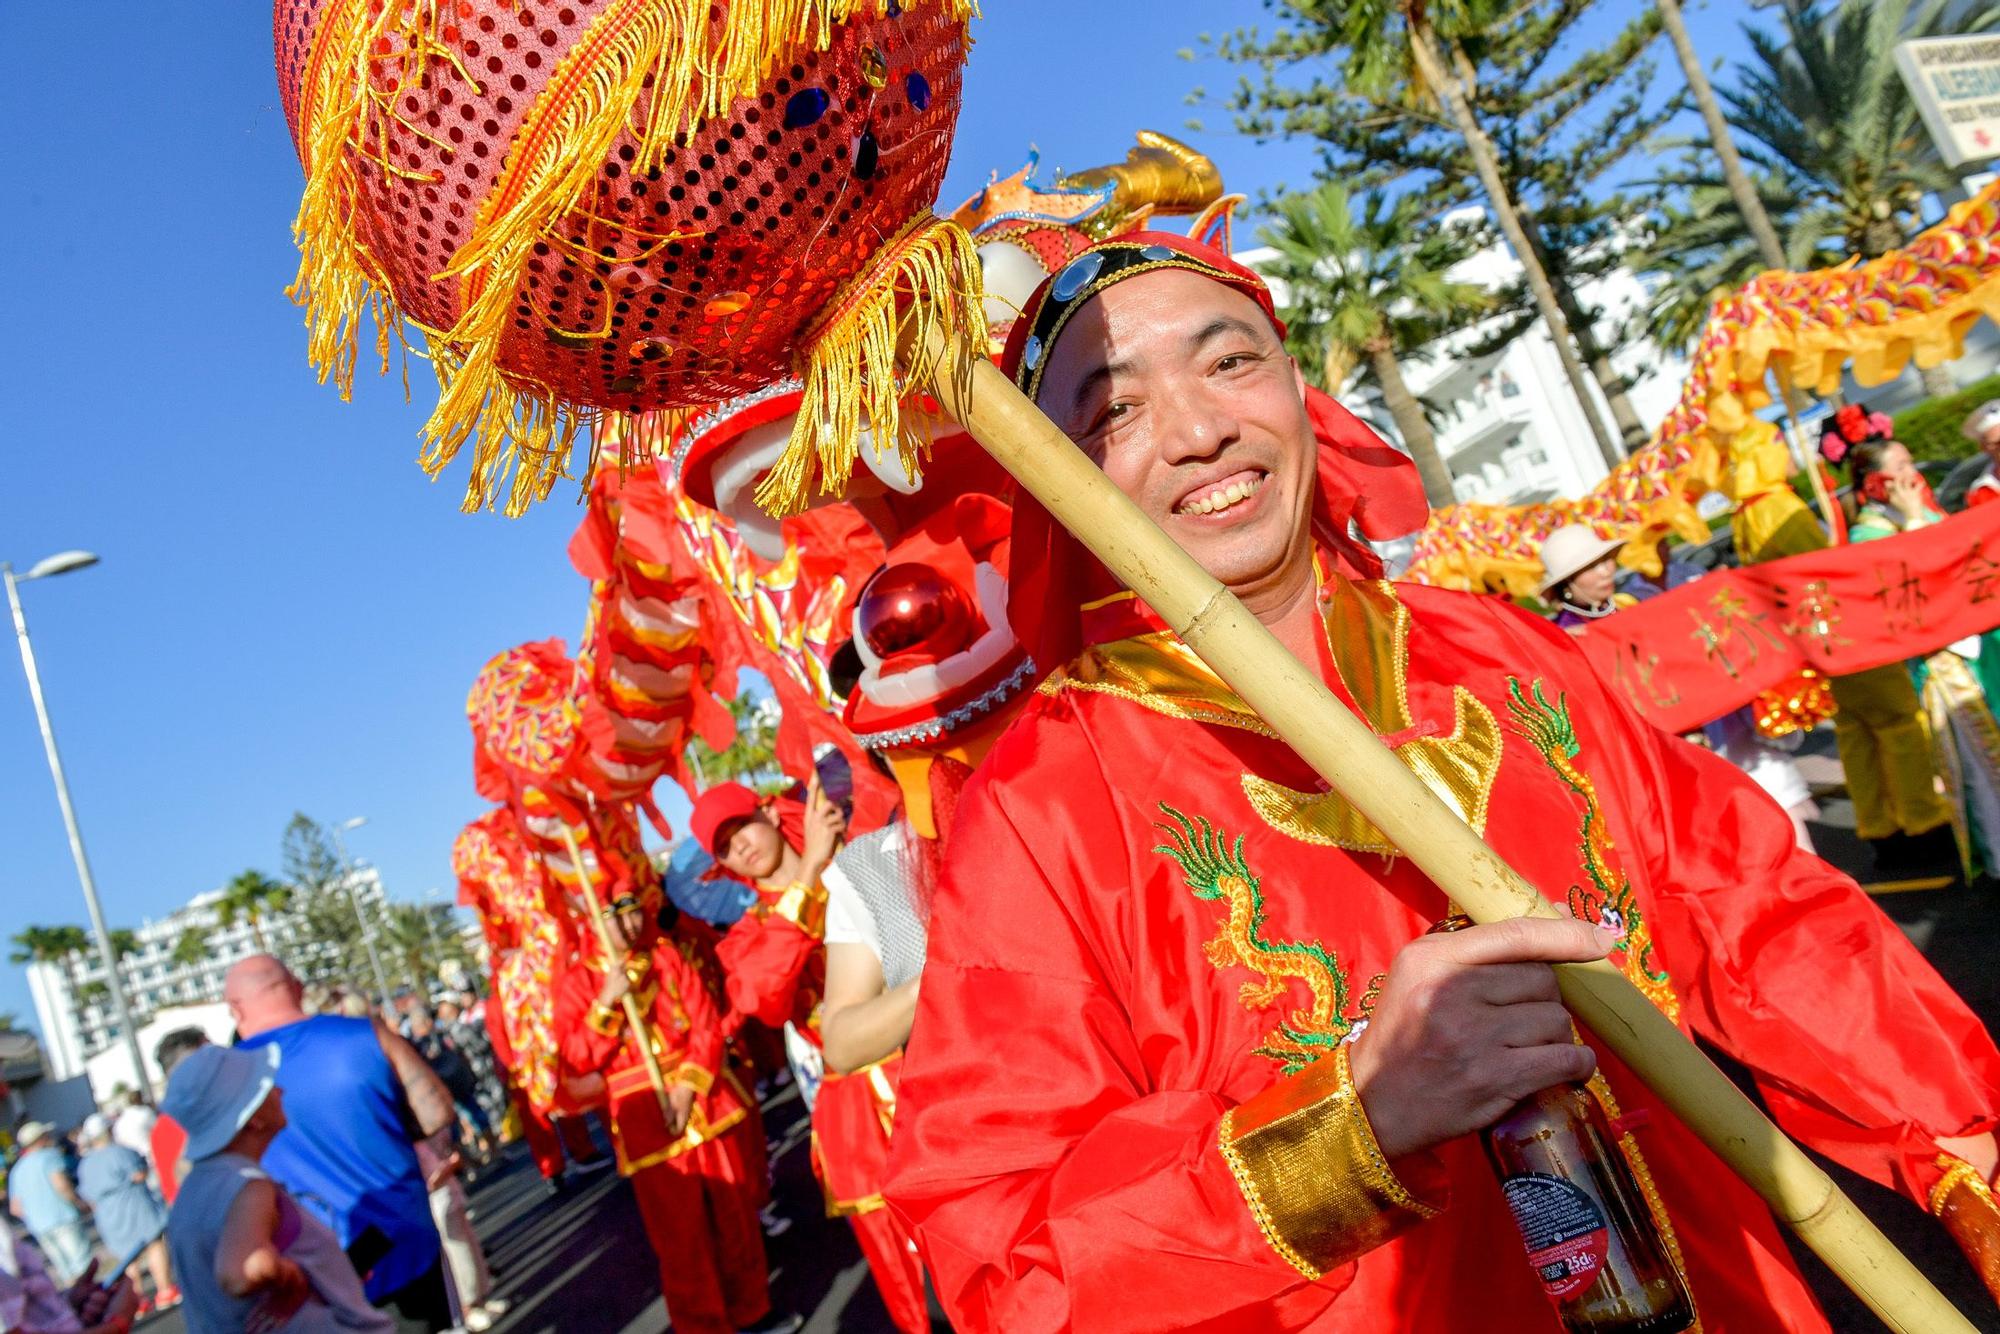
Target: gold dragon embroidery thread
x,y
1608,900
1215,869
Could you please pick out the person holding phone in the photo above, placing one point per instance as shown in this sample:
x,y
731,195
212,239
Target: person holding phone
x,y
774,957
1956,683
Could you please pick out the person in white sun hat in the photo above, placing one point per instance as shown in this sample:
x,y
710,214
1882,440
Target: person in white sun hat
x,y
1580,575
1982,428
248,1257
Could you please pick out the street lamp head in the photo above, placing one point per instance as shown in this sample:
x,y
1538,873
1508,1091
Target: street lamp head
x,y
61,563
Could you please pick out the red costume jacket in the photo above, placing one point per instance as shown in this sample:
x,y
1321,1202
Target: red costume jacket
x,y
687,1039
1126,1106
774,961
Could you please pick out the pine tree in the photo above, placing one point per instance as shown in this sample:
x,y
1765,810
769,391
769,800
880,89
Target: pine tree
x,y
1548,135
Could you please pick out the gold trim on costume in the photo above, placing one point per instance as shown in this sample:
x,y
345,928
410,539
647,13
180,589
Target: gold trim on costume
x,y
1367,635
804,906
607,1020
1314,1177
696,1078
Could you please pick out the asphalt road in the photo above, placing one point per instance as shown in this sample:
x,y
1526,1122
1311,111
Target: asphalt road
x,y
576,1262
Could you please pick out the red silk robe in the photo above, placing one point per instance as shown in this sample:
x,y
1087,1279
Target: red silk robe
x,y
774,961
1125,1103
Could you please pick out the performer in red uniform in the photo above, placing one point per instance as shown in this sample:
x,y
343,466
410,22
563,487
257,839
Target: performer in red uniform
x,y
700,1213
1184,1057
773,961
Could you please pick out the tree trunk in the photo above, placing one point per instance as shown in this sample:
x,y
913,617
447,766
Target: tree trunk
x,y
1412,425
1937,382
1740,187
257,934
1616,396
1446,87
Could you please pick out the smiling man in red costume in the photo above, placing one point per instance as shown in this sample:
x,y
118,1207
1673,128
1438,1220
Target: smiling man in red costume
x,y
1184,1056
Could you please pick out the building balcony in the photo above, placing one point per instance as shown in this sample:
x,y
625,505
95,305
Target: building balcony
x,y
1484,425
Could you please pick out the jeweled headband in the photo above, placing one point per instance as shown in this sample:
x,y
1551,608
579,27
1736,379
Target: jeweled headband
x,y
1103,265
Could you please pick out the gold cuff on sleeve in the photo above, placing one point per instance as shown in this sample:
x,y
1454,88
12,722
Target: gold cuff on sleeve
x,y
804,906
1306,1160
606,1019
696,1078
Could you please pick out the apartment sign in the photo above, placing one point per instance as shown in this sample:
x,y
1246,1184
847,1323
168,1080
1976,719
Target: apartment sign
x,y
1955,82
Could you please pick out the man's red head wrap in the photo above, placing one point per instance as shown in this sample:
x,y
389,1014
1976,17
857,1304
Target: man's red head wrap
x,y
1362,480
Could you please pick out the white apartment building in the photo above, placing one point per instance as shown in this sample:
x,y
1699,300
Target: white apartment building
x,y
75,1029
1508,424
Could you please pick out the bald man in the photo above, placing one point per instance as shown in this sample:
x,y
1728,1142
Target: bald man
x,y
346,1151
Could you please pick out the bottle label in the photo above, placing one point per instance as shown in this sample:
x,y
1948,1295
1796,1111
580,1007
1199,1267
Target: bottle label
x,y
1564,1230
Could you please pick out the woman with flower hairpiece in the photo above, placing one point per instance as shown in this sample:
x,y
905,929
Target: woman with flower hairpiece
x,y
1890,496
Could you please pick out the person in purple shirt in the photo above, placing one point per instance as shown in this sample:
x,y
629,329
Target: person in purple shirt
x,y
357,1096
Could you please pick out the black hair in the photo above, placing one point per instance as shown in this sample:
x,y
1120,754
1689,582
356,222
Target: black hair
x,y
175,1045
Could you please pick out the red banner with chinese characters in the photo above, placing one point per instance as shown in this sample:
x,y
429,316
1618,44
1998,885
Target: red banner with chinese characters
x,y
1712,646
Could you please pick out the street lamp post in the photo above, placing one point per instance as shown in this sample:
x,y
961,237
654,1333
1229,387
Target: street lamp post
x,y
354,902
63,563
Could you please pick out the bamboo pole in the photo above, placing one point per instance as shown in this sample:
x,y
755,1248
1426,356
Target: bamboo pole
x,y
634,1020
1789,395
1293,700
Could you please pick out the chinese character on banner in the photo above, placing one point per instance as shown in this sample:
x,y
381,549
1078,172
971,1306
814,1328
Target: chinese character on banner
x,y
1736,624
1634,671
1982,572
1902,596
1816,615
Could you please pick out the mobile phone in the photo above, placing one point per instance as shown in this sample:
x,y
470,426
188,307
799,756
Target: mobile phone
x,y
368,1249
836,777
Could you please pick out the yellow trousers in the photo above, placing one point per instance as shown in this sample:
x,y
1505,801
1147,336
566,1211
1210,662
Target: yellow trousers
x,y
1886,751
1884,745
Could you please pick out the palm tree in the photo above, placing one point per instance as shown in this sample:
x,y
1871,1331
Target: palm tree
x,y
9,1021
252,895
52,944
415,943
1742,190
191,948
1366,283
1842,158
750,755
94,992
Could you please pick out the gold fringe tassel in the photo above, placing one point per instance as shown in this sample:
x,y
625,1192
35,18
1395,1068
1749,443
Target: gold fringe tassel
x,y
659,67
926,279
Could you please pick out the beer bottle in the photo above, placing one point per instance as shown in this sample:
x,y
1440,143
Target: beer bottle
x,y
1589,1236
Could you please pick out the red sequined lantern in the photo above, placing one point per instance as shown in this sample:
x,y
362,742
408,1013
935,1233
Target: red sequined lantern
x,y
594,206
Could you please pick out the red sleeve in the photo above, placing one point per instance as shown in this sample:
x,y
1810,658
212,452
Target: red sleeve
x,y
1861,1050
704,1035
1050,1185
762,960
583,1049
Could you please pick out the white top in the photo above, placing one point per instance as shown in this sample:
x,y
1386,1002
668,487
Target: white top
x,y
869,902
134,1130
848,921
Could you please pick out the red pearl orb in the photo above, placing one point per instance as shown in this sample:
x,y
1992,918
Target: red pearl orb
x,y
912,609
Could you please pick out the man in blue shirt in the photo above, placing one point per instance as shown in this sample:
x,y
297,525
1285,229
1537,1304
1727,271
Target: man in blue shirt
x,y
40,1194
356,1097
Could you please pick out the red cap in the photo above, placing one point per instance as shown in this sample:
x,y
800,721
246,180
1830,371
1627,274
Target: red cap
x,y
718,806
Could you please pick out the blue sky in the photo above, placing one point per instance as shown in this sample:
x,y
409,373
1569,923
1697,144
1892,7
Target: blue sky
x,y
288,615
